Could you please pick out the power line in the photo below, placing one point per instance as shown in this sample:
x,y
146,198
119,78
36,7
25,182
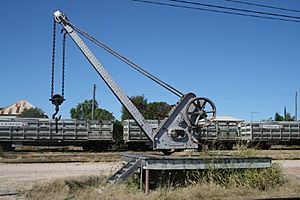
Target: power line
x,y
252,96
63,107
216,11
236,9
263,6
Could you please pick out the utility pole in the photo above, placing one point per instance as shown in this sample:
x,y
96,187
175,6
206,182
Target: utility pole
x,y
296,102
93,104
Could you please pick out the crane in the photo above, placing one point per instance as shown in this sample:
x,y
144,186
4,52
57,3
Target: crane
x,y
180,129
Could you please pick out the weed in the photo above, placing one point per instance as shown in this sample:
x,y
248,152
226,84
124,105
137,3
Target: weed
x,y
65,188
60,190
262,179
132,183
245,153
85,182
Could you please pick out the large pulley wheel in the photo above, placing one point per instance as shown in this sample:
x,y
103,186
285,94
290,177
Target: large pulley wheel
x,y
200,111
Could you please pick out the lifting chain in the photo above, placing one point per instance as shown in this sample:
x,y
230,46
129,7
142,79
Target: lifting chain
x,y
63,65
57,99
53,58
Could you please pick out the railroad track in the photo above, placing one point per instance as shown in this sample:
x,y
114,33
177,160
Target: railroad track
x,y
9,193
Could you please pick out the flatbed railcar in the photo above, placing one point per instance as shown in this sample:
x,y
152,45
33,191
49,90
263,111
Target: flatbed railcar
x,y
88,134
222,133
264,134
133,136
98,135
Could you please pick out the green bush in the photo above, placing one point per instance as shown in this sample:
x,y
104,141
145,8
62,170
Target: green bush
x,y
262,179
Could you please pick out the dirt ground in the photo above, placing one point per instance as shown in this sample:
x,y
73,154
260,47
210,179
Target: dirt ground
x,y
290,167
20,177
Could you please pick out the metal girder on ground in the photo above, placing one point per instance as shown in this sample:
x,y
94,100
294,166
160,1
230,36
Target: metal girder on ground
x,y
191,163
148,162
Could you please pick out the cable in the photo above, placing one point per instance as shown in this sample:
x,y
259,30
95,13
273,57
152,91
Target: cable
x,y
263,6
130,63
216,11
76,100
236,9
103,89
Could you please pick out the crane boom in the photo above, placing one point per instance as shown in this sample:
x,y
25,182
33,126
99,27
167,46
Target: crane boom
x,y
179,130
104,75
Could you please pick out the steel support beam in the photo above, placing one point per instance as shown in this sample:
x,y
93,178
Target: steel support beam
x,y
147,177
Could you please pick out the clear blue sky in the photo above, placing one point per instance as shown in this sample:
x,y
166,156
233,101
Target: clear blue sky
x,y
243,64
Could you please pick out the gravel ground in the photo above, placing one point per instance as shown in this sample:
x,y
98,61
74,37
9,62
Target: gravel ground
x,y
20,177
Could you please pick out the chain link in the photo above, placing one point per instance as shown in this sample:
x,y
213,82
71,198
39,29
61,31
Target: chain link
x,y
53,62
63,65
57,99
53,58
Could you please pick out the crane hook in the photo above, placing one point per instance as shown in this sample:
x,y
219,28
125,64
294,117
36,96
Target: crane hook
x,y
56,111
56,100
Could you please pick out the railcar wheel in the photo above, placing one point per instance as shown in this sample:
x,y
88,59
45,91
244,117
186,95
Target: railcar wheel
x,y
167,152
6,146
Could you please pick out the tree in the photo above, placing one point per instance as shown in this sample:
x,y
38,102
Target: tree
x,y
140,102
102,114
159,110
278,117
287,117
84,111
33,113
153,110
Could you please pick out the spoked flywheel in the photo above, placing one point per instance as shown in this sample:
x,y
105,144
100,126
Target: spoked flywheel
x,y
200,111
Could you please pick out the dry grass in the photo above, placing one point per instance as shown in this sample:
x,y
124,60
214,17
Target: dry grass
x,y
55,154
49,157
279,154
262,179
2,154
55,157
246,185
61,189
